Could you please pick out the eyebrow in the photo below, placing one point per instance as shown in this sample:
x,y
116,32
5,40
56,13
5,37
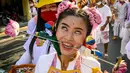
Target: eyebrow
x,y
65,24
69,26
79,28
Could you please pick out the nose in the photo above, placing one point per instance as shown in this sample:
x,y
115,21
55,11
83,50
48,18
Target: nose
x,y
69,37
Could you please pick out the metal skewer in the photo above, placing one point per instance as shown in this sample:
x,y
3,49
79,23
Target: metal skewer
x,y
73,47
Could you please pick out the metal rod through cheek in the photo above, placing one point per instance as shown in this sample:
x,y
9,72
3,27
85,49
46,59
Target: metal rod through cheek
x,y
73,47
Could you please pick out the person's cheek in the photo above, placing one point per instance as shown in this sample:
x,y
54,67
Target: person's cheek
x,y
59,34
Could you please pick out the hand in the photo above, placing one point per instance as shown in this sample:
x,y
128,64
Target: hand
x,y
121,69
102,27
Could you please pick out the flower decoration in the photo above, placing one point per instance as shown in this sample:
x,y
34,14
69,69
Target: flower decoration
x,y
65,5
94,16
12,28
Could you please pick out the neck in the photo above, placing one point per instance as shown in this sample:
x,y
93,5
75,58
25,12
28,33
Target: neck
x,y
65,60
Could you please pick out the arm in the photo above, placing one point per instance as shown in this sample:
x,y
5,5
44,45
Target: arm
x,y
107,22
108,16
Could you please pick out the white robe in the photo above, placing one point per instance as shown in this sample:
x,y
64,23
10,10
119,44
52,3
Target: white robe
x,y
37,50
126,32
119,22
45,62
128,50
98,35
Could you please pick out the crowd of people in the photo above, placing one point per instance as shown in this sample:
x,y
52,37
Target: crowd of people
x,y
74,21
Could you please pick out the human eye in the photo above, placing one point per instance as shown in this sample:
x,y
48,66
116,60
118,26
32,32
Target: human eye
x,y
43,9
77,32
53,6
64,28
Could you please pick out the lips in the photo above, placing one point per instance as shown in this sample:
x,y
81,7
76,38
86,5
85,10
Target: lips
x,y
67,46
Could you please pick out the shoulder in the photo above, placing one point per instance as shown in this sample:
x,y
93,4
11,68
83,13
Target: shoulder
x,y
90,61
32,25
107,10
44,63
47,57
106,7
33,20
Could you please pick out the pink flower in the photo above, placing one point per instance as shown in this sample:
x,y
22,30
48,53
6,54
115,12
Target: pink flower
x,y
12,28
94,16
65,5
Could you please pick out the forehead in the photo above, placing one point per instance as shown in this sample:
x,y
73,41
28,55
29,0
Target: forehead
x,y
74,21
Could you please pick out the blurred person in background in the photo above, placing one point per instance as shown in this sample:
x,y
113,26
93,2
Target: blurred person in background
x,y
34,47
102,31
126,34
33,10
121,8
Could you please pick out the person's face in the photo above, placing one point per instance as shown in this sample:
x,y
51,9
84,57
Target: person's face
x,y
71,33
48,12
50,7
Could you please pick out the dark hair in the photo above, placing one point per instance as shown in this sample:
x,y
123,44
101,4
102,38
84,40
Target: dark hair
x,y
78,13
40,22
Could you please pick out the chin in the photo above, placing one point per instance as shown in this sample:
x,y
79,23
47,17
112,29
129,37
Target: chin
x,y
66,53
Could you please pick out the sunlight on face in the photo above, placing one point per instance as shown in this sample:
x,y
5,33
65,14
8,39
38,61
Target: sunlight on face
x,y
71,32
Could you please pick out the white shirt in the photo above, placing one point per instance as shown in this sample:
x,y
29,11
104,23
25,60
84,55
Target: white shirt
x,y
128,50
122,9
34,11
45,62
105,12
37,50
